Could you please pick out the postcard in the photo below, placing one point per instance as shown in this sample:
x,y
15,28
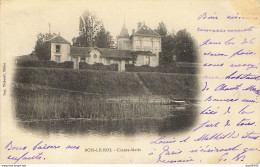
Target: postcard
x,y
130,82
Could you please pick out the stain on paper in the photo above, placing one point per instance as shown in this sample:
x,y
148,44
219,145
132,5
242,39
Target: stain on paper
x,y
248,8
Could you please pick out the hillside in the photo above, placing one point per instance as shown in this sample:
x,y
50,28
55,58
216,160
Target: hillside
x,y
107,82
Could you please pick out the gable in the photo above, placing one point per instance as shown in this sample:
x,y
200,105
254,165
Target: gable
x,y
146,31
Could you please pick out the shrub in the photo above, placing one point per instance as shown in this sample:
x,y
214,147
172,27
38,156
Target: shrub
x,y
98,66
162,69
46,64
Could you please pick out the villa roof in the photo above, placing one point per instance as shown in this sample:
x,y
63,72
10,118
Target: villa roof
x,y
106,52
116,54
80,51
146,31
59,39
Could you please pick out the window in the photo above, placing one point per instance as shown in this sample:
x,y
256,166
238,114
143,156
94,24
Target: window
x,y
83,59
138,45
155,45
57,58
57,48
147,45
95,56
108,61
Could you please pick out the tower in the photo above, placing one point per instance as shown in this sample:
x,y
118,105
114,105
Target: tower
x,y
123,39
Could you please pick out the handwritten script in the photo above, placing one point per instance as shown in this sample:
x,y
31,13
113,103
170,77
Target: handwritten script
x,y
227,127
24,153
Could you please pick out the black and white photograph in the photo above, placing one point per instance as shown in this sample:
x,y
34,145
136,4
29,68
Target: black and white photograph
x,y
129,82
144,80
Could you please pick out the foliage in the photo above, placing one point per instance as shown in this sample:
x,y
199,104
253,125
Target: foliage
x,y
104,39
187,48
98,66
26,58
162,29
89,25
168,49
162,69
180,47
92,32
45,64
42,47
168,45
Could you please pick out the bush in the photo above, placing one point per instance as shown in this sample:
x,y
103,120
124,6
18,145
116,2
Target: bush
x,y
162,69
45,64
187,70
98,66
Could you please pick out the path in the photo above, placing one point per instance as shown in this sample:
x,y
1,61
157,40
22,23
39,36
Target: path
x,y
146,90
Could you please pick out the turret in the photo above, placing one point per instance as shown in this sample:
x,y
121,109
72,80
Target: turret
x,y
123,40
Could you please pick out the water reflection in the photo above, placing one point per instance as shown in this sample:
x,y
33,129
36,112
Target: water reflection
x,y
178,121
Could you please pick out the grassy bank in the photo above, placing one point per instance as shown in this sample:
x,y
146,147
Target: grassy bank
x,y
44,94
176,85
102,82
108,82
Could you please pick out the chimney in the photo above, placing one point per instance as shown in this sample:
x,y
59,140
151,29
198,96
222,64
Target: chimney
x,y
133,31
139,24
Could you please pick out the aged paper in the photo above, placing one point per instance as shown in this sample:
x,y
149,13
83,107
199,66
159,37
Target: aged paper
x,y
220,125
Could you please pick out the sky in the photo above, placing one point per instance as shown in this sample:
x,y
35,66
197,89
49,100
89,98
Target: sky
x,y
21,21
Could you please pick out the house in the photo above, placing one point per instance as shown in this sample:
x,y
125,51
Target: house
x,y
140,48
144,39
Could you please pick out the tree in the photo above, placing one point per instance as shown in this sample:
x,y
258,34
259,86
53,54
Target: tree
x,y
161,29
42,47
187,50
92,31
89,26
168,49
103,39
180,47
167,55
